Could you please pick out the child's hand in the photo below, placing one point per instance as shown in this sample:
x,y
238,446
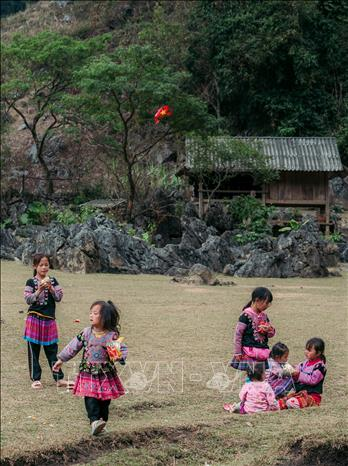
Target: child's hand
x,y
49,286
57,365
40,288
264,327
288,370
237,357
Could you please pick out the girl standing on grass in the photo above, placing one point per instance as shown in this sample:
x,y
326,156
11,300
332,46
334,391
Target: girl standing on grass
x,y
41,293
253,331
97,380
309,378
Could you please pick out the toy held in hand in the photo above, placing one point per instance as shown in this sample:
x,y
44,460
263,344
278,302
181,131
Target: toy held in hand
x,y
162,112
114,349
288,369
263,327
45,281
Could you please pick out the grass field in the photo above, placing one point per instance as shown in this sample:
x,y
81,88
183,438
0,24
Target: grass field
x,y
177,375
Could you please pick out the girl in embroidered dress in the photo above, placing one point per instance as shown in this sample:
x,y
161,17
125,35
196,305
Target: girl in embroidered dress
x,y
97,380
41,293
279,372
253,331
309,377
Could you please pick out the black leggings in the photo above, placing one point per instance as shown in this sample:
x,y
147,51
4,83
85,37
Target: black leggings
x,y
34,364
97,409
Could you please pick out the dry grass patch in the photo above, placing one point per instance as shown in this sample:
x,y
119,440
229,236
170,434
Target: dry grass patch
x,y
178,340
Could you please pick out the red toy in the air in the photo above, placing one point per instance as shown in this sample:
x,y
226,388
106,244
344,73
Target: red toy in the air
x,y
163,112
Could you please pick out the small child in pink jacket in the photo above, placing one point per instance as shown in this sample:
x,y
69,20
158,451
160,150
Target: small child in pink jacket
x,y
255,396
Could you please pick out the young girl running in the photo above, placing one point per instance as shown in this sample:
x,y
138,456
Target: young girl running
x,y
279,372
309,378
41,293
97,380
256,395
253,331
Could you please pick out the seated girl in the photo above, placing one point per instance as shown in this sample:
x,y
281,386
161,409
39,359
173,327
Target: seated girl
x,y
309,378
279,372
256,396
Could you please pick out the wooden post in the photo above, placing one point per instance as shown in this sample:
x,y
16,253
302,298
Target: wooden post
x,y
263,194
327,207
200,200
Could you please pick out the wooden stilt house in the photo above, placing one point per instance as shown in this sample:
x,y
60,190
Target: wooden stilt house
x,y
304,165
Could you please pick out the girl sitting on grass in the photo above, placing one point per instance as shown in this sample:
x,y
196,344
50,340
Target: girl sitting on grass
x,y
97,380
279,372
256,396
309,378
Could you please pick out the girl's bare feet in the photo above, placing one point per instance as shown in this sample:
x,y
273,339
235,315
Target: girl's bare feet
x,y
36,385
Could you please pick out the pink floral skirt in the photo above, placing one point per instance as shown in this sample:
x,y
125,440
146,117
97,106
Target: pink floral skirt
x,y
104,386
256,354
249,357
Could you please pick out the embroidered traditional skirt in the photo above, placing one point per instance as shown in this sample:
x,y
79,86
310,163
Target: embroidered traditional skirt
x,y
298,400
103,386
249,357
40,330
281,386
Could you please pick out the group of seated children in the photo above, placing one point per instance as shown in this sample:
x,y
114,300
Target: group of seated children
x,y
271,382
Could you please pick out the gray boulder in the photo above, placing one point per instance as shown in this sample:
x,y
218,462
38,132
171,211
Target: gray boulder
x,y
218,218
8,243
201,271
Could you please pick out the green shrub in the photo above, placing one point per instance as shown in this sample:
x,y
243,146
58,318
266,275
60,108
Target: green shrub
x,y
38,213
67,217
6,223
249,214
147,236
335,237
163,178
131,231
87,212
294,225
247,237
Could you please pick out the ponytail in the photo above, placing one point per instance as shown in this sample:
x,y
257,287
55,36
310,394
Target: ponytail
x,y
247,305
261,294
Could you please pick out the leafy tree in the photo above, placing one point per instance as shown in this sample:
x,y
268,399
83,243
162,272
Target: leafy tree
x,y
272,67
120,92
36,72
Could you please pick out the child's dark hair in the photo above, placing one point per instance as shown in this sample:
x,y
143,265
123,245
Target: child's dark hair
x,y
256,371
37,259
109,315
319,345
261,294
278,350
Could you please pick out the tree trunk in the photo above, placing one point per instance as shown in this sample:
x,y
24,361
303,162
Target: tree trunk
x,y
49,181
131,193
